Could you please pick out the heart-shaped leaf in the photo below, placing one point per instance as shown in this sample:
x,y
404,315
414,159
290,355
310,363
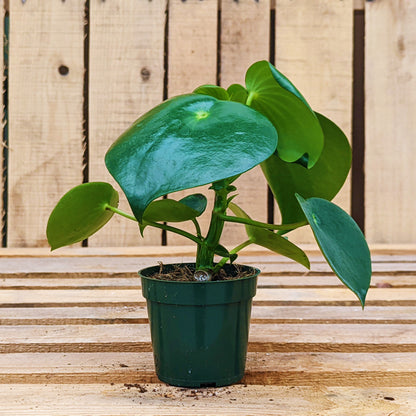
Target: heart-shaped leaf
x,y
324,180
300,134
213,91
80,213
188,141
271,240
237,93
341,242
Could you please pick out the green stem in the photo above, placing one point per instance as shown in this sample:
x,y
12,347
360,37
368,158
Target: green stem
x,y
205,253
250,97
233,251
120,212
197,227
157,225
284,227
176,231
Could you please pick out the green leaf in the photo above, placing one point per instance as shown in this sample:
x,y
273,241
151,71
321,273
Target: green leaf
x,y
324,180
213,91
198,202
221,251
80,213
169,210
300,134
287,84
341,242
237,93
271,240
188,141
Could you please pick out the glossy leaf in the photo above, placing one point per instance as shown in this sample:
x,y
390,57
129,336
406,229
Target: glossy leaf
x,y
271,240
237,93
213,91
198,202
324,180
188,141
80,213
287,85
341,242
300,134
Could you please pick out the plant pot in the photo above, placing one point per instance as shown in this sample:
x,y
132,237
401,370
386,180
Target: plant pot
x,y
199,329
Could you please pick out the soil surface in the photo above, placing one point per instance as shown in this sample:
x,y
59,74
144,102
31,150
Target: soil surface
x,y
185,272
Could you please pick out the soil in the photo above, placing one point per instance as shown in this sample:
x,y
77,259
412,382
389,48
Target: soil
x,y
185,272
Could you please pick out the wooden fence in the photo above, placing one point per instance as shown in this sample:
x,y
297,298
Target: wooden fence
x,y
77,73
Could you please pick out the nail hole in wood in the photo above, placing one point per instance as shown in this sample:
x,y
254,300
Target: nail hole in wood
x,y
63,70
145,73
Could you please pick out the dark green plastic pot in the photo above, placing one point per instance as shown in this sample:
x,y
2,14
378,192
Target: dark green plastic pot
x,y
199,329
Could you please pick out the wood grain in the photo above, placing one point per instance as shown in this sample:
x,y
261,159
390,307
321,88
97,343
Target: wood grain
x,y
158,399
126,53
3,169
314,43
45,113
82,344
245,39
389,177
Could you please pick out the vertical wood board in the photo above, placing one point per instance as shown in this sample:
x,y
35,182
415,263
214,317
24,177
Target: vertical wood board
x,y
314,42
245,39
126,74
45,113
390,82
2,161
192,61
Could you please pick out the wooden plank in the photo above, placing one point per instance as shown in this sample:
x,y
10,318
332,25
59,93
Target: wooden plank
x,y
270,314
339,369
359,4
126,79
273,296
192,61
120,266
380,252
314,49
45,113
3,170
390,122
263,337
160,399
132,280
245,39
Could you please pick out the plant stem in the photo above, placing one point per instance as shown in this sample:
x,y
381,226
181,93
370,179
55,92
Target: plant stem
x,y
205,253
176,231
157,225
284,227
250,97
120,212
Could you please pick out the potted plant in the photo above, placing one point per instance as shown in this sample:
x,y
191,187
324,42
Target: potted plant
x,y
199,313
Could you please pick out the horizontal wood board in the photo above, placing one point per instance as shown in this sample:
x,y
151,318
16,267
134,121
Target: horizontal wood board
x,y
312,349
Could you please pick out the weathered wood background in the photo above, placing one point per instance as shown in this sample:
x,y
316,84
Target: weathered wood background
x,y
77,73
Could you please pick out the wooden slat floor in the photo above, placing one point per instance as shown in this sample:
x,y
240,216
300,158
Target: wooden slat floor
x,y
74,338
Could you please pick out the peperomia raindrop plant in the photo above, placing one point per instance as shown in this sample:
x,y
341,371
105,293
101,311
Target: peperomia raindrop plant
x,y
212,136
